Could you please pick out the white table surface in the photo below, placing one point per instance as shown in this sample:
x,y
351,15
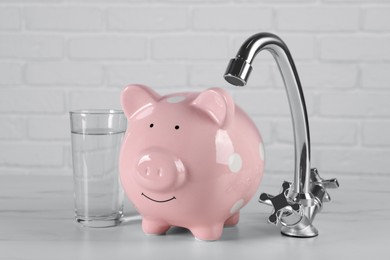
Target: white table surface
x,y
37,222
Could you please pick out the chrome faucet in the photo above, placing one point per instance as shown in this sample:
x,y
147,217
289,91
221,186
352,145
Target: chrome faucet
x,y
296,206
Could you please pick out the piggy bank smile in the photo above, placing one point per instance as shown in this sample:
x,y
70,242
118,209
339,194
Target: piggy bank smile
x,y
158,201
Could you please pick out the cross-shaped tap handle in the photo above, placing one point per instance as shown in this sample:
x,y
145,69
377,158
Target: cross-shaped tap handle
x,y
325,184
280,203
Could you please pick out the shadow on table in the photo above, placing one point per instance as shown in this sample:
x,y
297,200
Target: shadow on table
x,y
251,227
131,219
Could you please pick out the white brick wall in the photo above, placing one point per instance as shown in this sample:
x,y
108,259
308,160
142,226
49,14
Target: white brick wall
x,y
190,47
318,19
148,18
63,18
61,73
30,46
107,48
58,55
256,18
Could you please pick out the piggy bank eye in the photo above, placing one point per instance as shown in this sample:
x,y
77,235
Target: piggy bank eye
x,y
151,125
177,127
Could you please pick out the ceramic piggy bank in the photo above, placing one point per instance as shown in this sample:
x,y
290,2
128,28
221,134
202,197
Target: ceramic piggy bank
x,y
191,160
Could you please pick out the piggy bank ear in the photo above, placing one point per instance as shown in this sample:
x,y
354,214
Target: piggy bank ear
x,y
217,104
135,98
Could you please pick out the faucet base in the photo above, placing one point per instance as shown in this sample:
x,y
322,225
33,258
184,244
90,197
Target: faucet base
x,y
298,231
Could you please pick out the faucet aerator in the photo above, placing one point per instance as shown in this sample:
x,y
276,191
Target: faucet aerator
x,y
238,71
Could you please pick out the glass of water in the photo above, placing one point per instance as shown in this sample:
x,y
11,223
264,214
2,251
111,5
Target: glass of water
x,y
96,139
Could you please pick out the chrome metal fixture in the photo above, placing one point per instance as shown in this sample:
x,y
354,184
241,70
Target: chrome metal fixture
x,y
296,206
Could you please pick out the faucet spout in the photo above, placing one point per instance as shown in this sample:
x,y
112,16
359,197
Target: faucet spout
x,y
238,72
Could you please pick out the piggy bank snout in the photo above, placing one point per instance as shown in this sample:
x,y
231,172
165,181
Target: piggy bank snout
x,y
160,170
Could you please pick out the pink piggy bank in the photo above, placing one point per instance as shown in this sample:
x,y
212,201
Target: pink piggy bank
x,y
191,160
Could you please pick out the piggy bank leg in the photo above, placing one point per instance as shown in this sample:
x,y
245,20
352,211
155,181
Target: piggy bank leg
x,y
208,233
154,227
233,220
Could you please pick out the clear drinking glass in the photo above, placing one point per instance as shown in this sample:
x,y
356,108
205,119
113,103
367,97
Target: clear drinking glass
x,y
96,139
